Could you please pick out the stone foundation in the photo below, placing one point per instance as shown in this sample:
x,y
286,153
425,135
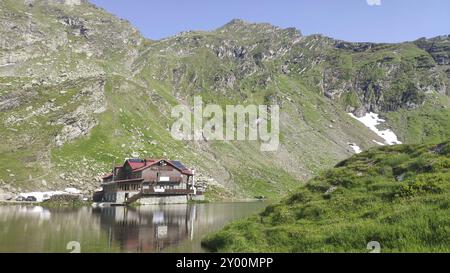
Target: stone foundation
x,y
120,197
161,200
198,197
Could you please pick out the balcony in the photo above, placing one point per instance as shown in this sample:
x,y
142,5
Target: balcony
x,y
162,191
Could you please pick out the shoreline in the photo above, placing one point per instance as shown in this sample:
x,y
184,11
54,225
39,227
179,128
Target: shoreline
x,y
53,204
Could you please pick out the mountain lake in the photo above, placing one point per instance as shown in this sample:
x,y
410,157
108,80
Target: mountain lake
x,y
158,228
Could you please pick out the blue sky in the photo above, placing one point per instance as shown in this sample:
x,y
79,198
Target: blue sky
x,y
351,20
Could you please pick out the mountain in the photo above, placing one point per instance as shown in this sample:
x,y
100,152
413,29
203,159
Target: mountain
x,y
397,196
81,89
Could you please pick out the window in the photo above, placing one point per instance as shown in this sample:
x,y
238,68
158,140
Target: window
x,y
166,168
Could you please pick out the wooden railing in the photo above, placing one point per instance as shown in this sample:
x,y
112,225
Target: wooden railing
x,y
152,191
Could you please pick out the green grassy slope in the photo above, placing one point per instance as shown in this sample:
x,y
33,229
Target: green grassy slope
x,y
126,86
397,195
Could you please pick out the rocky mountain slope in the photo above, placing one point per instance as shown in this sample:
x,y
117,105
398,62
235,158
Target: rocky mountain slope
x,y
397,196
80,88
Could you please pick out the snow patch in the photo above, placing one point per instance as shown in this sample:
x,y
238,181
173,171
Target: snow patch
x,y
371,120
379,143
42,196
355,148
72,190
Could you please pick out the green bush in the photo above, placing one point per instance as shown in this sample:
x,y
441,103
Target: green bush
x,y
423,183
281,215
301,196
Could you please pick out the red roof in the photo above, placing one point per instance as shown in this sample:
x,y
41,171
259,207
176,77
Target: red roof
x,y
137,166
151,162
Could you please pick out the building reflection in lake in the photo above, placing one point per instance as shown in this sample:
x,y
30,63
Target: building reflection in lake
x,y
165,228
148,228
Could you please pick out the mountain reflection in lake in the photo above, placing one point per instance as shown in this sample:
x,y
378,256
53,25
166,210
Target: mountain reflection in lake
x,y
165,228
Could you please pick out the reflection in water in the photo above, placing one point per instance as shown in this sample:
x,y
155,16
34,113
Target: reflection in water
x,y
37,229
168,228
149,228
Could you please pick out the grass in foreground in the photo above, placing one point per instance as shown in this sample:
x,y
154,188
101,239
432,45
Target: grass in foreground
x,y
396,195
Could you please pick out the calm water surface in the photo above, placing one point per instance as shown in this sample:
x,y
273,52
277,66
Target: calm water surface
x,y
165,228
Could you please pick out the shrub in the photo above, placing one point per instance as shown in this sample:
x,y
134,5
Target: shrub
x,y
395,160
311,212
301,196
423,183
282,215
